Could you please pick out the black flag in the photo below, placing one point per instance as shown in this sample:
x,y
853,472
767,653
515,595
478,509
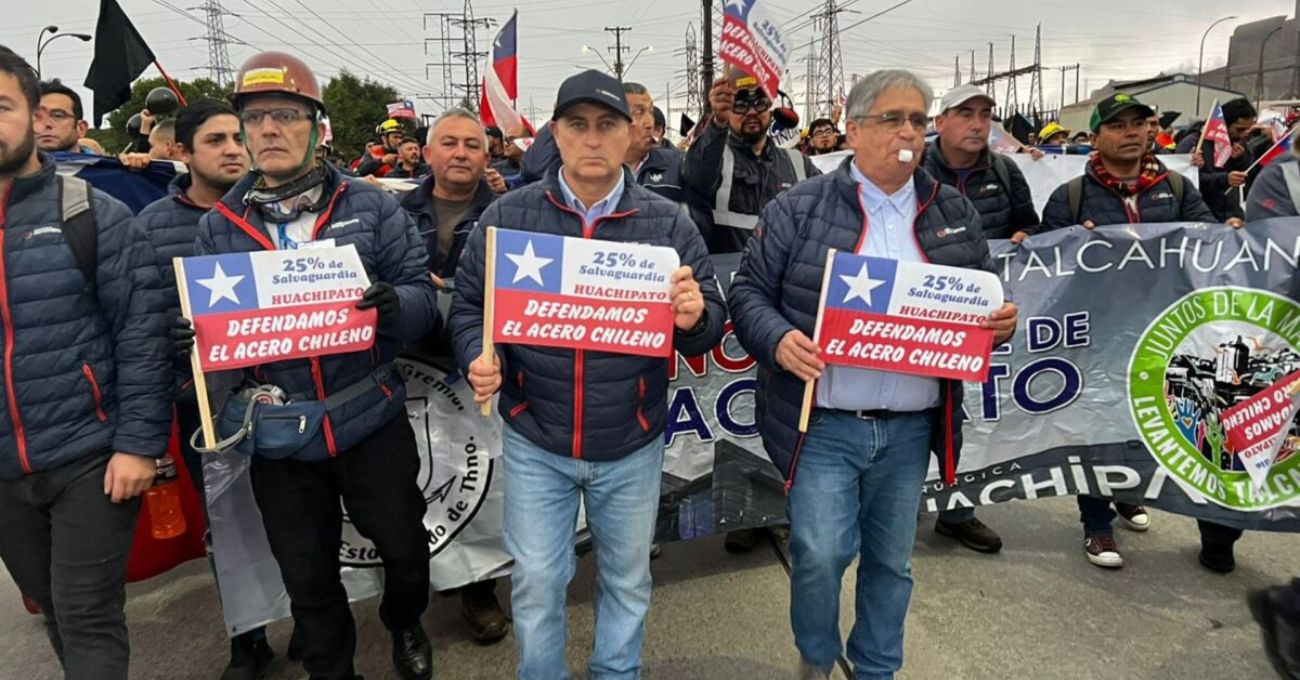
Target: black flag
x,y
121,55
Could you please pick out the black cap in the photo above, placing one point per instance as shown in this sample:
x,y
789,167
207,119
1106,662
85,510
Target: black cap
x,y
592,87
1114,105
495,132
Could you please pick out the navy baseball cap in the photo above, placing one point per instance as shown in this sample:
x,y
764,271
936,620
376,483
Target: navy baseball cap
x,y
592,87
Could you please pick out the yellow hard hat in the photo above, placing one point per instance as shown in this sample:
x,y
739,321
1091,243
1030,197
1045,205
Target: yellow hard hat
x,y
1050,130
389,125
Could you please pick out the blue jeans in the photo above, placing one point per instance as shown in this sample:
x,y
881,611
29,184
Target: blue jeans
x,y
621,497
855,494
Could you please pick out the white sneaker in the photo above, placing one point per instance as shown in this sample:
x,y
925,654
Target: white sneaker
x,y
1102,551
1135,517
808,671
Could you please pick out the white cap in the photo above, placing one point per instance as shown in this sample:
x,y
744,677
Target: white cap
x,y
961,94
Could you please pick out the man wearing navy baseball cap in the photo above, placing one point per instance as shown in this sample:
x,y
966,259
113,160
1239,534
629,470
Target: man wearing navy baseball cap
x,y
584,426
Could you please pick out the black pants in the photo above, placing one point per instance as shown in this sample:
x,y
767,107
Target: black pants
x,y
66,545
299,501
1217,535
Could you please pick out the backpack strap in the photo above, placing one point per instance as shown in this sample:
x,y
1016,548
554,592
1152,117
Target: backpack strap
x,y
1075,190
1176,185
796,159
77,221
1291,173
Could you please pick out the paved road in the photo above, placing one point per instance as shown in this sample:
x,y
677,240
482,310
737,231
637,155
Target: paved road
x,y
1038,610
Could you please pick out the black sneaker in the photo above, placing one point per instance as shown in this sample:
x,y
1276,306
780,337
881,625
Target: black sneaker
x,y
249,658
972,533
412,654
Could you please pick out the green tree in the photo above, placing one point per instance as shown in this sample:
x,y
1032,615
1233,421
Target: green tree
x,y
355,108
113,135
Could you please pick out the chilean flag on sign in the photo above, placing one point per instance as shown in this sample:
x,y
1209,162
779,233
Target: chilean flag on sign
x,y
501,82
753,43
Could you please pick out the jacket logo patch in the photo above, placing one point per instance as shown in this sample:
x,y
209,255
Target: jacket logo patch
x,y
946,231
340,225
656,176
1162,196
41,231
990,188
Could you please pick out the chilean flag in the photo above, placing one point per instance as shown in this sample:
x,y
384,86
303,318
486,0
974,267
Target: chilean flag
x,y
501,82
1282,146
1216,131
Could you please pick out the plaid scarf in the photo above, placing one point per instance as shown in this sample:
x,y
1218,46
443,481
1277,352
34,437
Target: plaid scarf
x,y
1151,172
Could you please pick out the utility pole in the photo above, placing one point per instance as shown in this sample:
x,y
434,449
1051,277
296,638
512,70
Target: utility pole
x,y
972,65
618,49
706,48
956,76
989,79
810,80
1012,102
694,95
1063,70
831,61
219,68
1036,79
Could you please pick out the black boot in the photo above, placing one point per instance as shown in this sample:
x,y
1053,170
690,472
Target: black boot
x,y
1217,557
250,655
412,654
482,613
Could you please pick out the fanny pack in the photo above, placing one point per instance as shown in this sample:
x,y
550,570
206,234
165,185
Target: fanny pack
x,y
262,420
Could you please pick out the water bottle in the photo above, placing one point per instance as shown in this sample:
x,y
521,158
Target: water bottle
x,y
163,500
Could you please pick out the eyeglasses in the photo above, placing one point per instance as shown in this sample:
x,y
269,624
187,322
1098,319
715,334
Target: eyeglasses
x,y
824,132
893,120
284,116
56,115
745,105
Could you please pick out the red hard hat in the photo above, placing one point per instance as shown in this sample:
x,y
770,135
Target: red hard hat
x,y
276,73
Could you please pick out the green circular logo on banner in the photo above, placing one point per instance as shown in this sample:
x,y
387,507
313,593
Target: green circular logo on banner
x,y
1212,349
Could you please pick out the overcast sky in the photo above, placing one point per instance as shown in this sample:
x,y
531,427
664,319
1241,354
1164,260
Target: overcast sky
x,y
384,39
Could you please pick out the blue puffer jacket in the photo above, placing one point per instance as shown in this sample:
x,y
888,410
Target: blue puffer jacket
x,y
82,376
778,285
172,224
585,404
661,172
391,250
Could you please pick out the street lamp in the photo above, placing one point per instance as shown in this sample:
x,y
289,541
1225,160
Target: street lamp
x,y
1259,75
42,43
643,50
588,49
1200,62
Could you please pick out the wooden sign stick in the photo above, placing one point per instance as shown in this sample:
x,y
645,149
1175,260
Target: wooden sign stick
x,y
810,387
489,307
200,383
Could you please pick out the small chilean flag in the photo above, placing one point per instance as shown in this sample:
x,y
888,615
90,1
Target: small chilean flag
x,y
501,81
1216,130
1283,146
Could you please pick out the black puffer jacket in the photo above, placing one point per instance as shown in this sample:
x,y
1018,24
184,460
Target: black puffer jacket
x,y
661,172
1004,210
1102,205
585,404
172,225
1213,182
756,181
779,282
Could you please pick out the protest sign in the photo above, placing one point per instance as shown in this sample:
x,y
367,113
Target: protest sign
x,y
753,43
907,317
586,294
256,308
1260,427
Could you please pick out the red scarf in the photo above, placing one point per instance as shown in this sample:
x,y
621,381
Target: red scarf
x,y
1151,173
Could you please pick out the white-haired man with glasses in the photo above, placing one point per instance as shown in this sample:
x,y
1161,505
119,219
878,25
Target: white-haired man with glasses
x,y
862,463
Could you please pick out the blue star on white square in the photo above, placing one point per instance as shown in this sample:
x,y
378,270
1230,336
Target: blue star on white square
x,y
221,286
860,285
528,265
